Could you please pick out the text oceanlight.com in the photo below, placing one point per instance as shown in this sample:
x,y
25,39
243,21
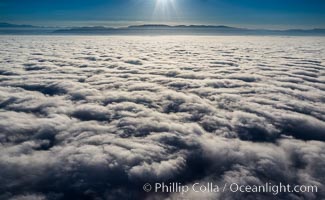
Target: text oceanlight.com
x,y
210,187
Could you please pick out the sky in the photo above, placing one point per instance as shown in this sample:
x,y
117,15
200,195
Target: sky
x,y
240,13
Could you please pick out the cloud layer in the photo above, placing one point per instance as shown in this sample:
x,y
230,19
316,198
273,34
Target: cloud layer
x,y
97,117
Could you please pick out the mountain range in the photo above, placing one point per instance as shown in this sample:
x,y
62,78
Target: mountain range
x,y
154,29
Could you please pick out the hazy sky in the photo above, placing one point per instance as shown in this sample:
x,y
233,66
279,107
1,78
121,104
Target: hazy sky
x,y
243,13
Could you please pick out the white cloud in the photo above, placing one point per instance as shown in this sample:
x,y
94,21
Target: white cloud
x,y
90,117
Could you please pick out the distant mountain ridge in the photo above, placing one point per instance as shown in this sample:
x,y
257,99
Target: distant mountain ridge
x,y
178,26
187,29
155,29
8,25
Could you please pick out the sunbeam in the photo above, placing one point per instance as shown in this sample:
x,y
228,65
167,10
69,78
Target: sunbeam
x,y
165,10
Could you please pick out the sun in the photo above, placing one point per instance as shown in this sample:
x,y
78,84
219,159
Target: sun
x,y
165,3
165,9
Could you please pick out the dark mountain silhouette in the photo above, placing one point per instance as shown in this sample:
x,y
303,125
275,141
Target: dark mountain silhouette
x,y
10,29
155,29
8,25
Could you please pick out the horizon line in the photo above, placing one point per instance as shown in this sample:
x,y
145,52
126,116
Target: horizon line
x,y
23,25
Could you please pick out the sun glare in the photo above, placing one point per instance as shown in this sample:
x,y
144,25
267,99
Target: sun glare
x,y
165,9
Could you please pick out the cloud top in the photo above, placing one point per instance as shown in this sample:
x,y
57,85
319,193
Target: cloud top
x,y
97,117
